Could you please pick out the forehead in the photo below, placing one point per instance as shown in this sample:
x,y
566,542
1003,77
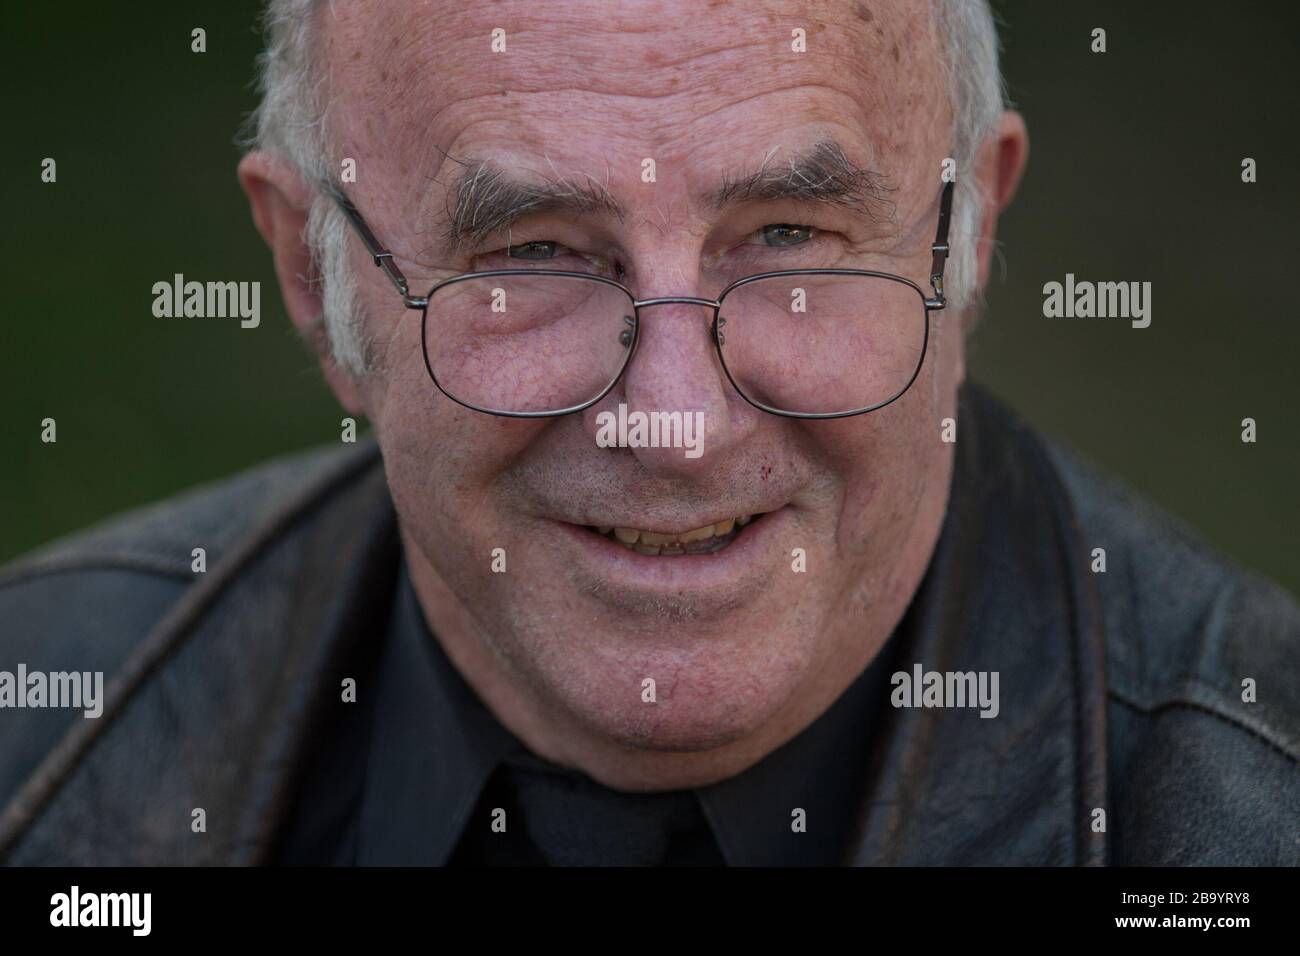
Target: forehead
x,y
593,88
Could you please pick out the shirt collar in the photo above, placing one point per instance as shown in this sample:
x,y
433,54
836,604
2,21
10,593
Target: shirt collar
x,y
433,745
821,772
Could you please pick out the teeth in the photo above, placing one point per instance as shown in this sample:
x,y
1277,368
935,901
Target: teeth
x,y
699,534
656,543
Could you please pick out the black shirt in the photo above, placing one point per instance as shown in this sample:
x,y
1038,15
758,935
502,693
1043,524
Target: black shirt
x,y
418,770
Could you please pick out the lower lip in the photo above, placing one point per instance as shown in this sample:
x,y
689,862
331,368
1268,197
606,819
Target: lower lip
x,y
739,567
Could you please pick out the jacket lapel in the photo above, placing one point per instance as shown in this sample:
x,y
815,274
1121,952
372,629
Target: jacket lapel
x,y
216,705
1008,592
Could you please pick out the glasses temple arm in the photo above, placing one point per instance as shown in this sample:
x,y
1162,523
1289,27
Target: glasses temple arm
x,y
940,248
383,258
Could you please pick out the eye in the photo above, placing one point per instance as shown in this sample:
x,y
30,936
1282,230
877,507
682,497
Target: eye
x,y
541,249
783,234
556,255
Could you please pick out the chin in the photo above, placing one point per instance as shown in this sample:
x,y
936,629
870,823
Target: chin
x,y
720,690
670,730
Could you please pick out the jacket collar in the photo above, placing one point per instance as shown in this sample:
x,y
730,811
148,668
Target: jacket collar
x,y
260,648
1007,591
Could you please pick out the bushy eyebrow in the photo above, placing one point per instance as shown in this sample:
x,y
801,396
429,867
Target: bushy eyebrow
x,y
486,199
823,174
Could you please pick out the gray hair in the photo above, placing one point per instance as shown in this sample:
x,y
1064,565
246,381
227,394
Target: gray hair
x,y
970,42
291,120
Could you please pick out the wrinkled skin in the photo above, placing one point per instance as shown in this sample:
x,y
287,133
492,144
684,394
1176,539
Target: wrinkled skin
x,y
744,651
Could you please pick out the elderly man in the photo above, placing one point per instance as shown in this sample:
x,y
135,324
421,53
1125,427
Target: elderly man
x,y
681,538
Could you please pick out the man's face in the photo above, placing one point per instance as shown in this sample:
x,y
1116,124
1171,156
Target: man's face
x,y
741,645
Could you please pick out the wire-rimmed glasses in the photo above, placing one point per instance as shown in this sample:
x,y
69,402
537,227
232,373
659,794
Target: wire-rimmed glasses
x,y
802,343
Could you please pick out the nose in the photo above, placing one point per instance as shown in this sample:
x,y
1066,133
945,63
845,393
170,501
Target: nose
x,y
679,414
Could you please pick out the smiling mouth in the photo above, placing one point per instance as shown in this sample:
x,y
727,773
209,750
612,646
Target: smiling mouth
x,y
705,540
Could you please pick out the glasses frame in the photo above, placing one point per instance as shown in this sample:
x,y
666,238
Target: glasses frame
x,y
383,259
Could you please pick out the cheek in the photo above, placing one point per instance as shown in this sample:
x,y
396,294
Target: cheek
x,y
442,460
424,436
891,464
446,466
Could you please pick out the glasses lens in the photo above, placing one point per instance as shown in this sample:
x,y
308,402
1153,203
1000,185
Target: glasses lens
x,y
527,343
822,344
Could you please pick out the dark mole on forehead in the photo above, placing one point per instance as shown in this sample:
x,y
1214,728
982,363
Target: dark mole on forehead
x,y
863,13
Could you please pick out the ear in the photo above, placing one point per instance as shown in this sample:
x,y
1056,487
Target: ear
x,y
998,168
280,199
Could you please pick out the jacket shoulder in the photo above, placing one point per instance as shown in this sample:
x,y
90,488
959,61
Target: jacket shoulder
x,y
84,603
1203,662
160,537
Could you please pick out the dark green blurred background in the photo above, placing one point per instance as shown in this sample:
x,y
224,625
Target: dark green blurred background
x,y
1134,175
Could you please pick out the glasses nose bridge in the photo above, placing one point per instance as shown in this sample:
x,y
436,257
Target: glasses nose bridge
x,y
713,304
